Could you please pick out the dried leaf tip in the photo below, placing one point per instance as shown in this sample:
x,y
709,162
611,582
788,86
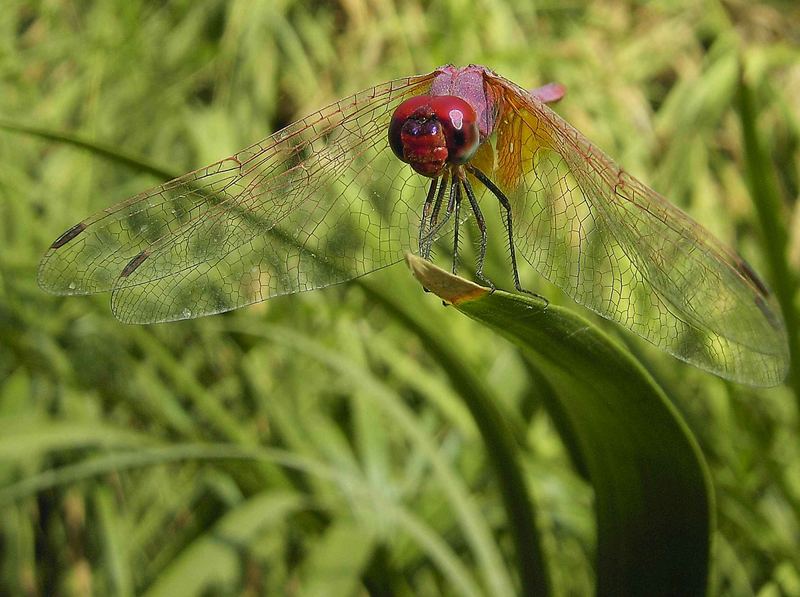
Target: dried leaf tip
x,y
450,288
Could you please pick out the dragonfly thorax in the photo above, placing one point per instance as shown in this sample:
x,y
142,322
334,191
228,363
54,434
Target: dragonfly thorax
x,y
429,132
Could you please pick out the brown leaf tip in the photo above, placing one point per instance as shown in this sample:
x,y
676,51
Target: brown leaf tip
x,y
450,288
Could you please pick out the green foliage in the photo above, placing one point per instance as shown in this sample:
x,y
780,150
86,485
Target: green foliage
x,y
320,443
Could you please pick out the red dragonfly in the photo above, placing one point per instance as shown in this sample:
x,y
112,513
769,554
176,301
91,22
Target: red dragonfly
x,y
326,200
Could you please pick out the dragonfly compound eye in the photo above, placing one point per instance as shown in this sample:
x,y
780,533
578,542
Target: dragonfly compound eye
x,y
460,127
428,132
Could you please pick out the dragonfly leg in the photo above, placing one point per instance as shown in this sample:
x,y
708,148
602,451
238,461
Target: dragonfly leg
x,y
453,207
433,228
506,205
426,208
482,227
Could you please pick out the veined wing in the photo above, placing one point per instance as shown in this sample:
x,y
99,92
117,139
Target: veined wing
x,y
319,202
621,249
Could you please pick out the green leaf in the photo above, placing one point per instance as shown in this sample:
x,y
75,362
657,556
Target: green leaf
x,y
653,498
214,558
335,563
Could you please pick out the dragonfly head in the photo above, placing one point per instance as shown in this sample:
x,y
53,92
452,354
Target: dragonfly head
x,y
429,132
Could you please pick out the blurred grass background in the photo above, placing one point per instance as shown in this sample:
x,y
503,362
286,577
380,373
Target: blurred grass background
x,y
314,444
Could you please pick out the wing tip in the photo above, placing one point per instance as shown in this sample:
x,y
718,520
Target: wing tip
x,y
50,279
58,285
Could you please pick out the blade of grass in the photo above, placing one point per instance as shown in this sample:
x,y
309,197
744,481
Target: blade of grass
x,y
337,560
21,439
115,548
214,558
766,198
106,151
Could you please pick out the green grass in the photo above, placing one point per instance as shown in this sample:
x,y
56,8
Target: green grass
x,y
324,443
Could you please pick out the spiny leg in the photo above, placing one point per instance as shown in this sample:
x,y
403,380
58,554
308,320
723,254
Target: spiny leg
x,y
423,222
482,227
505,204
437,226
439,198
453,207
432,226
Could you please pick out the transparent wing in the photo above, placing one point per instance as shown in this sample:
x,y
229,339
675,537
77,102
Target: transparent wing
x,y
621,249
319,202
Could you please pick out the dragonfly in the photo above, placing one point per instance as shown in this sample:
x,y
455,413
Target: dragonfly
x,y
353,187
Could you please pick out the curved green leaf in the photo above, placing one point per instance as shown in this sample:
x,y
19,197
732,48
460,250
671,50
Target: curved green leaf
x,y
214,558
653,497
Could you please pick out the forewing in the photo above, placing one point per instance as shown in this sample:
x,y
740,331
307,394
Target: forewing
x,y
621,249
319,202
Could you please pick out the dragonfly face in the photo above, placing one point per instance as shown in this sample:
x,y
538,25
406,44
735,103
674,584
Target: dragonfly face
x,y
429,131
326,200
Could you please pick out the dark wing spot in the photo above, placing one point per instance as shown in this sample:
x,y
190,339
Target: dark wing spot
x,y
134,263
68,235
773,320
748,273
